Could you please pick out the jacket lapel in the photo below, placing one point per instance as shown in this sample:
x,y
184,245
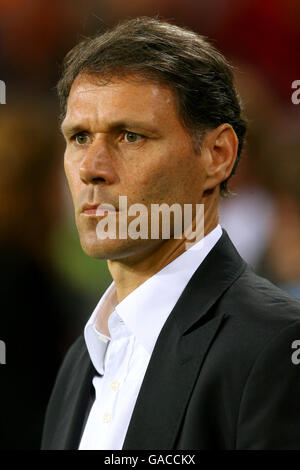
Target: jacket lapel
x,y
76,399
180,351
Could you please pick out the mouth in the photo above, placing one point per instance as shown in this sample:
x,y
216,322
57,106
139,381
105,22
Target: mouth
x,y
97,209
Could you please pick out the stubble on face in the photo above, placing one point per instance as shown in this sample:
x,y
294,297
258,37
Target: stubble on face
x,y
161,167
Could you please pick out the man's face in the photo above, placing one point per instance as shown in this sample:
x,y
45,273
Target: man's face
x,y
125,138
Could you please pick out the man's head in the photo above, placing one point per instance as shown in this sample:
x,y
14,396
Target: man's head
x,y
174,93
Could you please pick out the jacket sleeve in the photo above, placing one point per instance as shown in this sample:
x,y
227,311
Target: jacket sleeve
x,y
269,413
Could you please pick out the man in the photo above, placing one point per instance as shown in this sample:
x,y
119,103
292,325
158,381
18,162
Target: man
x,y
188,348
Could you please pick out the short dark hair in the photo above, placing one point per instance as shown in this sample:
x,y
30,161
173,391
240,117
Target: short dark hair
x,y
200,76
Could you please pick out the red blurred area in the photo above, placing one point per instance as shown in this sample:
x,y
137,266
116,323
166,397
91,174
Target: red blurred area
x,y
262,39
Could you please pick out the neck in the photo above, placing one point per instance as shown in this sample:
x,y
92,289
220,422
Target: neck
x,y
133,271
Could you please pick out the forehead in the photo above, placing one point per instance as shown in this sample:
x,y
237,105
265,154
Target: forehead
x,y
120,98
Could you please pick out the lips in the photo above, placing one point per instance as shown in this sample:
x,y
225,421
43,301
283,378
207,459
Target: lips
x,y
96,209
89,208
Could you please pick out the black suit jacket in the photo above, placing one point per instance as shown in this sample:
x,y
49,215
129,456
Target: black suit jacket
x,y
221,374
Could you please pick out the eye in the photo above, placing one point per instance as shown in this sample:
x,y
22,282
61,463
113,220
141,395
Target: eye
x,y
132,137
81,138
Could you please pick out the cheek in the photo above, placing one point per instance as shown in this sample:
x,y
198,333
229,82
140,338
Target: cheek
x,y
72,177
176,176
156,179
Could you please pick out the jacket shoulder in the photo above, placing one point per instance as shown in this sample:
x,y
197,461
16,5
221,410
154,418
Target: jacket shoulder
x,y
257,313
257,301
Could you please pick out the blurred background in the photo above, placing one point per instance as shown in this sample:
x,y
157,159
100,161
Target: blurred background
x,y
49,287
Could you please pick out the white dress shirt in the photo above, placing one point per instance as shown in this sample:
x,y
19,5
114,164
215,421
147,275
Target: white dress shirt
x,y
134,326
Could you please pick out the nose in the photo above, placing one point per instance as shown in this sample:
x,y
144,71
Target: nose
x,y
96,167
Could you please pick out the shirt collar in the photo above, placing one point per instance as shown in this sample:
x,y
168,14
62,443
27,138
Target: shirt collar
x,y
97,342
145,310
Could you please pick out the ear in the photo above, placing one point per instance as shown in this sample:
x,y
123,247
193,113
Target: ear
x,y
219,152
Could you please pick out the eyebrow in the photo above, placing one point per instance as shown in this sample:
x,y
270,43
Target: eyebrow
x,y
70,129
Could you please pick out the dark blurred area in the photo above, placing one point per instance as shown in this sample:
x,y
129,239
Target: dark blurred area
x,y
39,308
48,286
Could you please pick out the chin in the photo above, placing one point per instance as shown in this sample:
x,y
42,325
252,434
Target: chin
x,y
100,249
113,249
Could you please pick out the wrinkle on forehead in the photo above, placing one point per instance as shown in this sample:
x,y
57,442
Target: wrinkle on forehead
x,y
153,100
100,81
